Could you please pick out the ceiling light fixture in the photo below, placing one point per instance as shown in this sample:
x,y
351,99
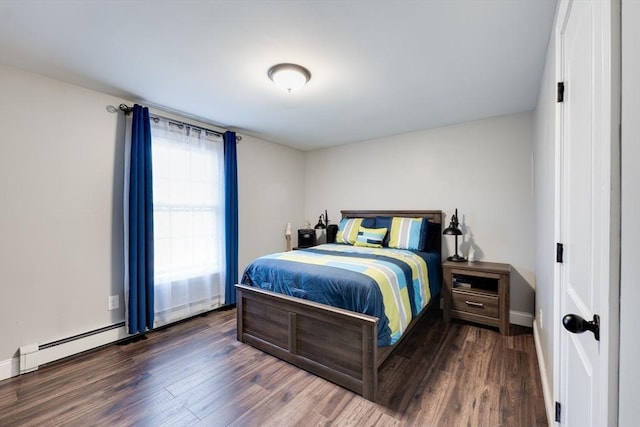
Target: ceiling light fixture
x,y
289,76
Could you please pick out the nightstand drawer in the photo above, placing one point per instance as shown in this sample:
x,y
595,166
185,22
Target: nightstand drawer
x,y
471,302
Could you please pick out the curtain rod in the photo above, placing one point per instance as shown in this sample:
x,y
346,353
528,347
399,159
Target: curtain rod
x,y
126,109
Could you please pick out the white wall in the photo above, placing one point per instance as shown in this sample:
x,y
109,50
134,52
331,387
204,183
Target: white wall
x,y
271,185
60,222
483,168
544,172
629,411
61,207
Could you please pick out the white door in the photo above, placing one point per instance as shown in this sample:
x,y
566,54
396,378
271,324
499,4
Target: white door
x,y
588,180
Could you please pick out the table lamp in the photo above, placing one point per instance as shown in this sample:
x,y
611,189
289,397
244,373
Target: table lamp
x,y
453,229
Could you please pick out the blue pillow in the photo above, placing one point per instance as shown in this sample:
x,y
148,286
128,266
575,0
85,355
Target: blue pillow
x,y
425,242
432,233
384,222
369,222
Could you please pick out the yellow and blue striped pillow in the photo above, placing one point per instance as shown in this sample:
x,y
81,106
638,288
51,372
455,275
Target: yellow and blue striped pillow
x,y
370,237
405,233
348,230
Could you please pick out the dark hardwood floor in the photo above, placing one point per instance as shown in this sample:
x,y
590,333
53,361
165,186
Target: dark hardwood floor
x,y
196,373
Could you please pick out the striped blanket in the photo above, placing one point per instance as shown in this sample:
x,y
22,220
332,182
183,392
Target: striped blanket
x,y
391,284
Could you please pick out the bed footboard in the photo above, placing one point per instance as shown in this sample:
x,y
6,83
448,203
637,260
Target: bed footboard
x,y
335,344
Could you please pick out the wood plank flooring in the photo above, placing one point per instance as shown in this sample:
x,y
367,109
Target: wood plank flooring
x,y
195,373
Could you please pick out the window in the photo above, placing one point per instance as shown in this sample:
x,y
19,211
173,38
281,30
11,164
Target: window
x,y
188,194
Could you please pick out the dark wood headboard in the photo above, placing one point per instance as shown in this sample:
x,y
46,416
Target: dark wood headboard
x,y
434,216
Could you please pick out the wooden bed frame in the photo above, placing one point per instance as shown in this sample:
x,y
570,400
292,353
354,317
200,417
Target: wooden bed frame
x,y
336,344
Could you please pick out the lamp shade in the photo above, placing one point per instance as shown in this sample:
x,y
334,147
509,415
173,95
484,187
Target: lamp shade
x,y
289,76
452,231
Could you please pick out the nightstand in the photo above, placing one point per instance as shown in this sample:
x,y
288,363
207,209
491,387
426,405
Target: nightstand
x,y
477,292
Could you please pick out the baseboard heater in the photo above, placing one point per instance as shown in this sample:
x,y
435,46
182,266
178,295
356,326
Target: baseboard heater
x,y
34,355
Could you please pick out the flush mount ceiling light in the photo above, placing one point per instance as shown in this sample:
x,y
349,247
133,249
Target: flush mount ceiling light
x,y
289,76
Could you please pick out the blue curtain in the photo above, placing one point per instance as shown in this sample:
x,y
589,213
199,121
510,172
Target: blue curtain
x,y
231,215
140,307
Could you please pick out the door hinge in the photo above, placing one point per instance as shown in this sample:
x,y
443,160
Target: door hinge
x,y
557,412
560,91
559,252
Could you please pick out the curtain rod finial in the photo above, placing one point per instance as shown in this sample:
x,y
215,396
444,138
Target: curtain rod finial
x,y
125,108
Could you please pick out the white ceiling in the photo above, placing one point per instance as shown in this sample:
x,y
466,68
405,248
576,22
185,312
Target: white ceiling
x,y
379,68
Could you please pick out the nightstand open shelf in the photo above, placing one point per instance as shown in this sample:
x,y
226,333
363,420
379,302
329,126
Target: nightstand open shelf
x,y
477,292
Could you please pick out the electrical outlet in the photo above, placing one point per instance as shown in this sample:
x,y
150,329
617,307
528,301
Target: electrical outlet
x,y
114,302
540,318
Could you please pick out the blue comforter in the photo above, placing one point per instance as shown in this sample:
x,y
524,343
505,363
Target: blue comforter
x,y
391,284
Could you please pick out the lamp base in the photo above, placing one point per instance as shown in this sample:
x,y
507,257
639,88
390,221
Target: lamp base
x,y
457,258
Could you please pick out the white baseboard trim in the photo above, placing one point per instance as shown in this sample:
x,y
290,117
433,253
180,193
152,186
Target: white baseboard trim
x,y
546,387
521,318
11,368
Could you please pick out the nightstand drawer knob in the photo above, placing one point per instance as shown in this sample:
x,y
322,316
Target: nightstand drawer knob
x,y
474,304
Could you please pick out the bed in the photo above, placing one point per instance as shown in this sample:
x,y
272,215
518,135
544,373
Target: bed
x,y
341,345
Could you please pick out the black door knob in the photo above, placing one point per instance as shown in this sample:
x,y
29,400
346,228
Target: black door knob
x,y
577,325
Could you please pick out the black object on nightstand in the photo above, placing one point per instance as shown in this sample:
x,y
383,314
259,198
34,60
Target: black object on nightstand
x,y
306,238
